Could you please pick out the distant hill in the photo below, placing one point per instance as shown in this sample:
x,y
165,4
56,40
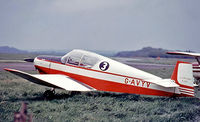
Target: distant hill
x,y
147,52
7,49
144,52
12,50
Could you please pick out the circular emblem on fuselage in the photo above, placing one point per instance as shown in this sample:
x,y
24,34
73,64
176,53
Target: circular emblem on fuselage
x,y
104,65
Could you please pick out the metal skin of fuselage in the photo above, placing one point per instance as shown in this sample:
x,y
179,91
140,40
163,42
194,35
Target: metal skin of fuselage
x,y
117,77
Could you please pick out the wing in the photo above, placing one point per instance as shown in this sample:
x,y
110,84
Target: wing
x,y
184,53
51,80
165,83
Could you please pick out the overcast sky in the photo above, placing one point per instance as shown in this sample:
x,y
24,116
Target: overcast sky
x,y
100,24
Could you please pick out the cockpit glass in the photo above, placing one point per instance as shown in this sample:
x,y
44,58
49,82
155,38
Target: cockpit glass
x,y
74,58
80,59
88,61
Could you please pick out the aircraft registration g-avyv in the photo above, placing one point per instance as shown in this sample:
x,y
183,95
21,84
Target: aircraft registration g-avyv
x,y
81,70
196,65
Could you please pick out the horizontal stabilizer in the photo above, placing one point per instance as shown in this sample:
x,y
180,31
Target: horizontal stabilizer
x,y
165,83
55,81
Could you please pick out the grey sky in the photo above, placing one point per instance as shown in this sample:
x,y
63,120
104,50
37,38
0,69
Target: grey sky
x,y
100,24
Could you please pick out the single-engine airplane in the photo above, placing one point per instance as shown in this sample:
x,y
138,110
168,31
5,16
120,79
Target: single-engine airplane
x,y
196,65
81,70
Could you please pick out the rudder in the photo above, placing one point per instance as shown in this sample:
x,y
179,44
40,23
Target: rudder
x,y
183,76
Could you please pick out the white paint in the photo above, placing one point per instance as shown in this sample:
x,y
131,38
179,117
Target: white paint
x,y
64,82
185,74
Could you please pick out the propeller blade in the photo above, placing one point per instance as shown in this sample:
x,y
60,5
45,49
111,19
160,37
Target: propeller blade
x,y
29,59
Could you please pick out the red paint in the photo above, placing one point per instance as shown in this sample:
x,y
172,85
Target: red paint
x,y
195,64
187,90
196,67
126,80
196,71
104,85
143,83
148,84
136,82
92,70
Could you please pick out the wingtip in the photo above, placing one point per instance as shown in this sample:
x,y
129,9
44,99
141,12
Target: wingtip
x,y
9,70
172,53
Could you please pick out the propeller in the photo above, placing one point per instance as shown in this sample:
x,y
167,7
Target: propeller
x,y
29,59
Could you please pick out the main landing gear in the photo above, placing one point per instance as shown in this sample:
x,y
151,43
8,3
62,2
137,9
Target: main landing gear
x,y
49,94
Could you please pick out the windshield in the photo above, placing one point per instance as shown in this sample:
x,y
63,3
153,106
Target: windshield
x,y
88,61
80,59
74,59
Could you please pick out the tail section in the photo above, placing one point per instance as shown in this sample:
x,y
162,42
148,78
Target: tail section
x,y
183,76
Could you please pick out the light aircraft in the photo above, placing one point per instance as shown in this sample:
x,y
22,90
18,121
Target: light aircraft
x,y
196,65
81,70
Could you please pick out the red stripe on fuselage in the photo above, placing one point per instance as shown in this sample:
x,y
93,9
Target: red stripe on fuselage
x,y
104,85
91,69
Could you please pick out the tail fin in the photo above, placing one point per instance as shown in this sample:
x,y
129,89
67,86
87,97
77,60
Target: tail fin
x,y
183,76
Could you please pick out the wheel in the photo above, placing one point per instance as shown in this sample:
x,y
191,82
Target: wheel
x,y
72,93
49,94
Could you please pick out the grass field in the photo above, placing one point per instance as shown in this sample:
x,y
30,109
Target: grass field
x,y
93,106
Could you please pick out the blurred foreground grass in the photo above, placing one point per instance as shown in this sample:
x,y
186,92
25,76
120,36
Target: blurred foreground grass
x,y
91,106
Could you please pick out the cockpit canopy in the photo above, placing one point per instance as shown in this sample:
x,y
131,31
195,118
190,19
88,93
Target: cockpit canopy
x,y
80,58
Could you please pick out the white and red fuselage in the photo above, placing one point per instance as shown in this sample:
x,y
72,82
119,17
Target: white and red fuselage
x,y
105,74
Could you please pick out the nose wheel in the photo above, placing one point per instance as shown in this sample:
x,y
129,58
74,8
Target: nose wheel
x,y
49,94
